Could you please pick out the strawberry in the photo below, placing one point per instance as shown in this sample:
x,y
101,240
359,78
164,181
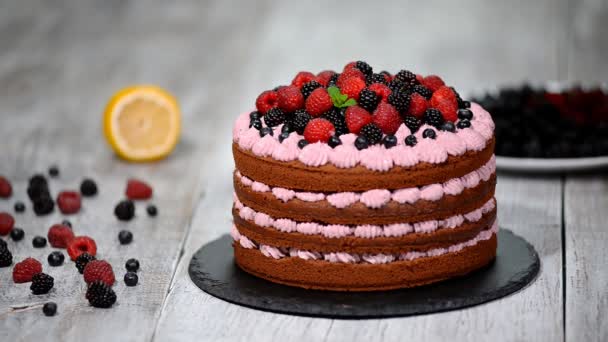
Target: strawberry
x,y
356,118
381,90
445,101
302,78
324,76
60,235
99,270
352,87
418,105
7,222
6,189
319,130
266,100
387,118
81,244
433,82
25,270
290,99
68,202
318,102
349,74
138,190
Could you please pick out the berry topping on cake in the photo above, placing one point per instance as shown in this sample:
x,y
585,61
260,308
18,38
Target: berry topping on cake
x,y
389,141
400,99
334,141
368,100
361,143
356,118
318,102
411,140
377,78
352,87
364,67
266,131
307,90
432,82
266,100
302,143
445,101
274,117
387,118
464,123
433,117
412,123
302,78
372,133
283,136
299,120
429,133
319,130
418,105
381,90
290,99
448,126
465,114
350,73
406,77
336,117
422,90
324,76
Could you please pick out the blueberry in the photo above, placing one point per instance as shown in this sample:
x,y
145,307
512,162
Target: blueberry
x,y
465,114
53,171
283,136
411,140
56,258
49,309
265,131
17,234
254,115
257,124
132,265
19,207
389,141
125,237
361,143
88,188
302,143
152,211
66,223
131,279
286,128
38,241
429,133
125,210
463,123
334,141
448,126
466,104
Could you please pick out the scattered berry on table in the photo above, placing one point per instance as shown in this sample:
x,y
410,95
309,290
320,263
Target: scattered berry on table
x,y
274,117
432,82
49,309
465,114
152,210
125,237
302,143
334,141
308,88
387,118
290,99
3,244
17,234
361,143
429,133
299,120
125,210
88,188
66,223
356,117
82,260
318,102
100,295
138,190
38,242
131,279
25,270
266,131
60,235
448,126
319,130
302,78
99,270
81,244
372,133
266,100
132,265
368,100
433,117
463,123
389,141
38,180
41,283
411,140
53,171
56,258
69,202
7,222
6,190
6,257
43,205
19,207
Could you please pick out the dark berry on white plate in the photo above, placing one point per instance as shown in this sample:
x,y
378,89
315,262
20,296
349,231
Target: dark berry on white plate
x,y
125,237
49,309
389,141
17,234
56,258
429,133
38,242
6,257
53,171
19,207
125,210
41,283
132,265
411,140
131,279
100,295
152,211
88,188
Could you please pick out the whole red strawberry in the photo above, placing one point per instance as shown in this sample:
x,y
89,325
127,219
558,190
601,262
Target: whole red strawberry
x,y
138,190
381,90
290,99
324,76
356,117
418,105
7,222
6,190
266,100
433,82
319,130
387,118
302,78
350,73
81,244
318,102
68,202
444,99
352,87
60,235
99,270
25,270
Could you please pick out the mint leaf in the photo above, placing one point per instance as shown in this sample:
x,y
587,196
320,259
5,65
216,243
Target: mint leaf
x,y
338,99
334,92
349,102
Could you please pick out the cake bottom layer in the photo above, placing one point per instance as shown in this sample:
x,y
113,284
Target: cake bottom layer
x,y
324,275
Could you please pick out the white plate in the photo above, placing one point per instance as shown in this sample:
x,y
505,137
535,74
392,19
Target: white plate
x,y
550,165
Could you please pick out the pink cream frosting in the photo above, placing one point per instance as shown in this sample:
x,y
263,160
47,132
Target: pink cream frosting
x,y
376,157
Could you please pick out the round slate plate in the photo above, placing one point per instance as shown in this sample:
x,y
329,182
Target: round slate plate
x,y
212,269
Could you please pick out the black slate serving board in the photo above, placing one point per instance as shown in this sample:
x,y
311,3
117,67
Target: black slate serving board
x,y
212,269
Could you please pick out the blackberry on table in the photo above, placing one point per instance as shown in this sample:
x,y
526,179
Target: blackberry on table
x,y
412,122
274,117
88,188
38,180
308,87
400,99
299,120
6,257
82,260
56,258
43,205
422,90
41,283
433,117
3,244
372,133
17,234
368,100
100,295
364,67
336,117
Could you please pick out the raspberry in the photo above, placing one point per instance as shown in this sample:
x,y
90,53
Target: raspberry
x,y
432,82
418,105
336,117
364,67
318,102
100,295
41,283
302,78
308,88
25,270
266,100
356,73
68,202
412,123
349,66
60,235
138,190
372,133
81,244
6,257
387,75
274,117
290,99
400,99
419,78
299,120
352,87
82,261
387,118
356,118
7,222
433,117
368,100
381,90
99,270
6,189
324,76
319,130
445,101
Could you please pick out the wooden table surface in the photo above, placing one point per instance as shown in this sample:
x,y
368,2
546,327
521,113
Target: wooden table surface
x,y
61,60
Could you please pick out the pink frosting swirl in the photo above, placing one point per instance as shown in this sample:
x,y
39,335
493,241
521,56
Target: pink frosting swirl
x,y
263,220
337,231
342,199
310,196
474,215
344,156
345,258
241,125
404,156
409,195
375,198
368,231
431,192
453,222
308,228
429,151
378,258
426,226
283,194
398,229
271,252
376,158
452,143
259,187
246,213
248,138
245,242
471,179
234,233
453,186
401,133
316,154
473,140
265,146
285,225
306,255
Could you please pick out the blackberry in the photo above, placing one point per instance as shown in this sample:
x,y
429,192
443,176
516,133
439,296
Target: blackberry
x,y
389,141
152,211
53,171
411,140
100,295
334,141
333,80
274,117
368,100
35,192
463,123
43,205
465,114
49,309
400,100
56,258
448,126
412,122
265,131
336,117
375,78
283,136
82,260
433,117
308,87
396,85
406,77
131,279
19,207
125,237
3,244
132,265
302,143
372,133
422,90
6,257
429,133
257,124
124,210
17,234
38,180
364,67
361,143
299,120
38,242
88,188
41,283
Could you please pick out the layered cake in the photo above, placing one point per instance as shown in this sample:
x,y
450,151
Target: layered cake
x,y
363,181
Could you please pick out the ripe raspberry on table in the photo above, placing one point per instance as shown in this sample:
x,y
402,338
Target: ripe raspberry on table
x,y
138,190
99,270
6,189
69,202
60,235
25,270
81,244
7,222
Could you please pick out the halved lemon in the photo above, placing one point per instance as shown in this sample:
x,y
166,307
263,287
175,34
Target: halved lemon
x,y
142,123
